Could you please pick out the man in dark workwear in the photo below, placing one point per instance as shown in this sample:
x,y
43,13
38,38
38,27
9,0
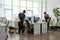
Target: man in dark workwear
x,y
47,19
21,17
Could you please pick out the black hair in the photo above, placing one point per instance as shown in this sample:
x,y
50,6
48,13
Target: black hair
x,y
24,11
44,12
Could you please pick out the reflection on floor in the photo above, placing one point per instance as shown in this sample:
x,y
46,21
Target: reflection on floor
x,y
51,35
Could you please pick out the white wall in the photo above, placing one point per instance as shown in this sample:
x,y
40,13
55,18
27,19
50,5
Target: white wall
x,y
52,4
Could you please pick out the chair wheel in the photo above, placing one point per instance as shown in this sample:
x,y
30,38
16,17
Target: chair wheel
x,y
6,37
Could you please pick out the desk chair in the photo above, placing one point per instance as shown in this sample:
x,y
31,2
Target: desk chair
x,y
52,25
6,30
58,25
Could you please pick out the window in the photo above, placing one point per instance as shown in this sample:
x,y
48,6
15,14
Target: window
x,y
0,1
29,13
0,12
8,14
15,12
22,8
0,5
15,2
29,4
8,2
28,8
23,3
35,12
8,7
19,6
35,5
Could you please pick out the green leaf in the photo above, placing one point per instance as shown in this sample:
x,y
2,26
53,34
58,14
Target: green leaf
x,y
56,12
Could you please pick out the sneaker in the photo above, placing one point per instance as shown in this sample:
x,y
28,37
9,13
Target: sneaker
x,y
17,33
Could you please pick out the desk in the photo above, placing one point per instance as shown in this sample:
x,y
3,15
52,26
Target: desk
x,y
2,31
40,28
36,28
44,27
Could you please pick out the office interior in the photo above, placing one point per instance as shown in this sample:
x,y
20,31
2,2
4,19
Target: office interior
x,y
9,10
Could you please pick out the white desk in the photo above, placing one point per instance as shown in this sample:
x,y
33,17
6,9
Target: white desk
x,y
44,27
2,31
36,28
40,28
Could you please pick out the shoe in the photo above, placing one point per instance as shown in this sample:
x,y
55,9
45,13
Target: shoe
x,y
17,33
22,33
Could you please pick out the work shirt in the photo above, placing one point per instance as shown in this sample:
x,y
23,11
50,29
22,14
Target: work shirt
x,y
46,15
21,16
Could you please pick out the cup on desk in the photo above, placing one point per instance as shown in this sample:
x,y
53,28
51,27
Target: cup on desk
x,y
43,20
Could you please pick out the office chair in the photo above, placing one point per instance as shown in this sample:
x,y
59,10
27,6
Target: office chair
x,y
6,30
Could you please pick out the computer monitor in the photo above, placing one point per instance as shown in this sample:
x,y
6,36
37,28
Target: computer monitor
x,y
2,19
29,18
33,19
36,19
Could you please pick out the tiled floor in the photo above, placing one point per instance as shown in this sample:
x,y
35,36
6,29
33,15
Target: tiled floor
x,y
51,35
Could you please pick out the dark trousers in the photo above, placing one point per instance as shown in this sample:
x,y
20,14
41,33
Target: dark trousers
x,y
21,27
48,26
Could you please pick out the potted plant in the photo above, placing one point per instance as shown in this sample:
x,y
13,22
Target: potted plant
x,y
56,12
